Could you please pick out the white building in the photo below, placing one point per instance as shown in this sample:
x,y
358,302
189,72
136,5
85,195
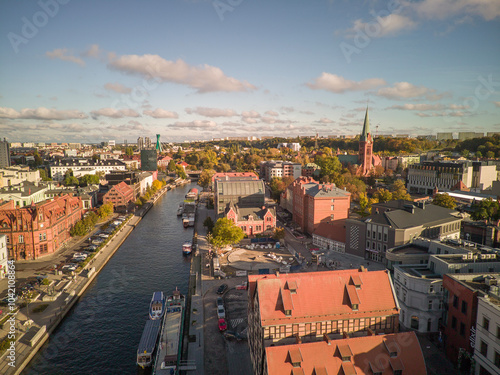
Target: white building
x,y
81,167
3,255
487,342
16,174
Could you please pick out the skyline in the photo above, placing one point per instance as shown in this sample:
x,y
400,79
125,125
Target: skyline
x,y
89,72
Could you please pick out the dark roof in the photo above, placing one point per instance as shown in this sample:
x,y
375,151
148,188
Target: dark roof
x,y
366,128
239,187
317,191
430,215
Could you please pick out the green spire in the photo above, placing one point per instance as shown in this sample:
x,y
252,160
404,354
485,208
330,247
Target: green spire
x,y
366,128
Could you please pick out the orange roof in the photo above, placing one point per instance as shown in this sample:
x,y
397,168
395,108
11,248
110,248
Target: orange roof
x,y
368,353
322,296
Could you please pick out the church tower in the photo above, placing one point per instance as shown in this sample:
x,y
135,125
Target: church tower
x,y
366,147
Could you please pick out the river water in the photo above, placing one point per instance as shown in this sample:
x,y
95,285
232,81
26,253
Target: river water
x,y
101,333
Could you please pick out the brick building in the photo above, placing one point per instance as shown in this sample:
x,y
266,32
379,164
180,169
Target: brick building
x,y
39,229
252,220
397,353
282,308
313,203
120,195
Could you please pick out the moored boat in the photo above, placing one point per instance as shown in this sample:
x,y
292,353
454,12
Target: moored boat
x,y
187,248
147,345
170,343
180,210
157,306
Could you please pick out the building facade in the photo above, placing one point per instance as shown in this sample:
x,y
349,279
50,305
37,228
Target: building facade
x,y
306,306
487,340
4,256
280,169
120,195
81,167
148,160
4,154
243,193
39,229
252,220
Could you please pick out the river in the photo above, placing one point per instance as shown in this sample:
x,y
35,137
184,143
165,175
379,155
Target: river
x,y
101,333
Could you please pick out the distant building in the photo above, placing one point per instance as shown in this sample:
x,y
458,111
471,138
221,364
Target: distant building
x,y
233,176
39,229
24,194
311,170
444,136
17,174
293,146
280,169
462,136
4,154
305,306
481,233
148,160
366,147
82,166
396,353
140,143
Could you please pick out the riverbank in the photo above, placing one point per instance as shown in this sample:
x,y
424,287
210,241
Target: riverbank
x,y
44,323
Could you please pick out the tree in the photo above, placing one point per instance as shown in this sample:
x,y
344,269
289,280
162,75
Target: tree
x,y
180,172
43,174
205,179
171,166
209,224
444,200
129,151
279,233
226,233
363,202
105,210
487,209
89,179
383,195
399,191
38,159
69,179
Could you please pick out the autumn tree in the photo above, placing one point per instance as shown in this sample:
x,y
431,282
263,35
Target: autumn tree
x,y
383,195
399,191
363,202
444,200
226,233
205,179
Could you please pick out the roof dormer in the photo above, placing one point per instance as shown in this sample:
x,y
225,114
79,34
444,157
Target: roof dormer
x,y
295,357
353,297
291,285
286,300
345,352
356,281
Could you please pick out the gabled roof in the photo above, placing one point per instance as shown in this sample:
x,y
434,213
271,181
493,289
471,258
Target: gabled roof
x,y
368,353
322,295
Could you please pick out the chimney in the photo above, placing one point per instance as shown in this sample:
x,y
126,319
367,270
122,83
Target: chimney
x,y
277,273
298,340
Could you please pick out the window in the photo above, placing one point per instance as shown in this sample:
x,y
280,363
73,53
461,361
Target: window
x,y
462,329
402,316
332,207
431,288
498,332
441,304
497,360
454,323
367,244
379,236
414,322
486,323
385,237
464,307
21,238
355,307
455,302
484,348
404,295
429,305
374,235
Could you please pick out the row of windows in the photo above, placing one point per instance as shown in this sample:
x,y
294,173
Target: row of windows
x,y
483,349
375,245
374,235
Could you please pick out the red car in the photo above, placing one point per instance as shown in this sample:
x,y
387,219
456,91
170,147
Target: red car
x,y
222,325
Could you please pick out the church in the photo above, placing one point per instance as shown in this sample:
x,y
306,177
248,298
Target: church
x,y
365,160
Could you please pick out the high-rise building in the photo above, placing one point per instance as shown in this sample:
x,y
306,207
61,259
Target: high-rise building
x,y
147,143
148,160
4,154
140,143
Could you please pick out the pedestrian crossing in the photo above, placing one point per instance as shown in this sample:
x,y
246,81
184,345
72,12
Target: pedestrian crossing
x,y
235,322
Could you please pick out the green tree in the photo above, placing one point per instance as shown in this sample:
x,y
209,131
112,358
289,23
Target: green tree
x,y
105,210
444,200
363,202
487,209
205,179
171,166
209,224
279,233
43,174
330,167
226,233
180,172
38,159
69,179
129,151
89,179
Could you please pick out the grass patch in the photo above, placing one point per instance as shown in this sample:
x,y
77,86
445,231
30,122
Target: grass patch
x,y
40,308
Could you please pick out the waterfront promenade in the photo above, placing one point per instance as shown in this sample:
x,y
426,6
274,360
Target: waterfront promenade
x,y
70,288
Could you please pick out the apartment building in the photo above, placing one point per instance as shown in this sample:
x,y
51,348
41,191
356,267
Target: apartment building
x,y
16,174
39,229
306,306
487,340
280,169
120,195
396,223
4,154
81,167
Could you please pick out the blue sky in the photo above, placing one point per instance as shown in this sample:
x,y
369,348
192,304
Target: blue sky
x,y
91,71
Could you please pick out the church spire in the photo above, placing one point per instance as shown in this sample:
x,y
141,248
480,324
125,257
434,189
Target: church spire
x,y
366,128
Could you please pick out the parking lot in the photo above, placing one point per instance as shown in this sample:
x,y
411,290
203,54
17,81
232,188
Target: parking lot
x,y
226,352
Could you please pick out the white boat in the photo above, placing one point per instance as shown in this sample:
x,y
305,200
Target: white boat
x,y
157,306
187,248
170,343
180,210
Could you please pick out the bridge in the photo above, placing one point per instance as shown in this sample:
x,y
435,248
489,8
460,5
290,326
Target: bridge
x,y
194,175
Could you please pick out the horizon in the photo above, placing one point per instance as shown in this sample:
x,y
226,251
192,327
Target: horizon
x,y
194,70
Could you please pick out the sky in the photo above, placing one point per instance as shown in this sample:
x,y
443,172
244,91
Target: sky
x,y
92,71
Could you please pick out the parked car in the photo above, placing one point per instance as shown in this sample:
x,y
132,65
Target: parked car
x,y
242,286
222,289
69,267
221,312
222,325
220,302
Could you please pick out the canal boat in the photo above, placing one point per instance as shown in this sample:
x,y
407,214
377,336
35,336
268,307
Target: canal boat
x,y
157,306
170,342
180,210
147,345
191,220
187,248
192,193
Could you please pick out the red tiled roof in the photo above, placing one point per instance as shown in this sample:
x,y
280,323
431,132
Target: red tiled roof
x,y
368,353
322,296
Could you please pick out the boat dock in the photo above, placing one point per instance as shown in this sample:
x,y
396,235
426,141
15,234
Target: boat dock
x,y
168,355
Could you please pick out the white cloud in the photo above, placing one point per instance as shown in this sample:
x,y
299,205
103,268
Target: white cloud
x,y
41,113
272,113
273,120
417,107
61,54
443,114
405,90
197,124
114,113
287,109
338,84
325,120
252,114
442,9
92,51
204,78
250,120
211,112
161,113
379,27
117,87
